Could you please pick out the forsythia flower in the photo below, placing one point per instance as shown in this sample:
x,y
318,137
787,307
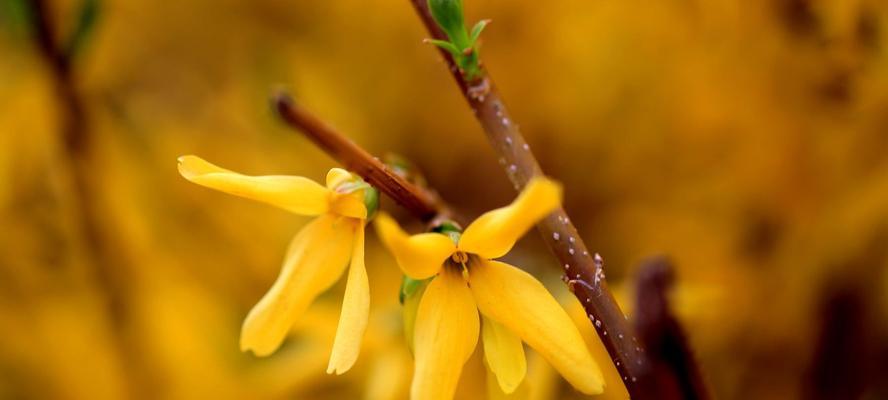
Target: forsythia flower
x,y
514,306
316,257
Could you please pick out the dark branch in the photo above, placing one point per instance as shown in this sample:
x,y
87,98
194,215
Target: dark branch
x,y
583,274
422,203
109,257
673,372
844,357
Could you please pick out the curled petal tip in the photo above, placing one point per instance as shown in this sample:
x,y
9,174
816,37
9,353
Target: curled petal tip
x,y
245,348
256,351
184,159
594,389
333,370
189,166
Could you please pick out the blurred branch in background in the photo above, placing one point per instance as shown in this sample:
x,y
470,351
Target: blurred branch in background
x,y
58,59
101,247
842,366
673,373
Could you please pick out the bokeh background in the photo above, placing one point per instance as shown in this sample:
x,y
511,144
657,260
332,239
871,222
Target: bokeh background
x,y
745,139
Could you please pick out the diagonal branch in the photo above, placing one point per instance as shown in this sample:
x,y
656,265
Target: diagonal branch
x,y
583,273
426,205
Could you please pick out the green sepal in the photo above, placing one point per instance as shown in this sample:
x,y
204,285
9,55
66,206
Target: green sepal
x,y
476,31
411,306
409,287
446,46
449,228
371,201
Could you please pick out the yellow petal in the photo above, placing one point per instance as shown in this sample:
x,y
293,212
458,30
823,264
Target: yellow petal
x,y
292,193
349,205
355,310
445,336
504,354
336,177
495,391
346,204
493,234
317,257
419,256
518,301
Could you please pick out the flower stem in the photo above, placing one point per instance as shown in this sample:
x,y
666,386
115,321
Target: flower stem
x,y
583,274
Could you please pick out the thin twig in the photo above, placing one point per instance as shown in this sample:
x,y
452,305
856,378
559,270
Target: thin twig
x,y
74,133
583,274
107,258
422,203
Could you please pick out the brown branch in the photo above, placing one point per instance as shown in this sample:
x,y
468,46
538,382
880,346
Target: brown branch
x,y
673,373
74,124
108,259
845,354
422,203
75,135
583,274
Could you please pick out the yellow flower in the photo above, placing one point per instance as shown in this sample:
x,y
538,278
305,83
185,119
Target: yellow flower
x,y
316,257
514,306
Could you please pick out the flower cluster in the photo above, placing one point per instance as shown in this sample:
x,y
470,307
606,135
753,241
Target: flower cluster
x,y
316,258
465,292
513,305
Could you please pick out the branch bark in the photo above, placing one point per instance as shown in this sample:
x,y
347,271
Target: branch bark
x,y
424,204
584,273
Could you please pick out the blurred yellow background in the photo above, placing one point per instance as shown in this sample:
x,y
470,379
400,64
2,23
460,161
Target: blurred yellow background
x,y
747,140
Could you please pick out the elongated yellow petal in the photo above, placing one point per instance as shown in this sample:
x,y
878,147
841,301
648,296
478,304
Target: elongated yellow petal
x,y
495,391
317,257
355,310
445,336
493,234
419,256
292,193
518,301
504,354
